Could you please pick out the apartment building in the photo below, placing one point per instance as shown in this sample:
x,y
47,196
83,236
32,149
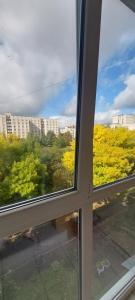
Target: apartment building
x,y
21,126
71,129
124,120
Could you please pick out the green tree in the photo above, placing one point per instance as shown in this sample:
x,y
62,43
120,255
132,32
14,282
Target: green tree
x,y
63,140
51,157
31,144
27,177
62,178
49,139
10,150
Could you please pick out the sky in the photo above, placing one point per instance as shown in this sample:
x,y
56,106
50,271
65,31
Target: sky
x,y
116,71
38,59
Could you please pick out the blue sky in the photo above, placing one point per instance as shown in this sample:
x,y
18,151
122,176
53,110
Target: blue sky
x,y
38,50
112,77
61,97
111,82
116,72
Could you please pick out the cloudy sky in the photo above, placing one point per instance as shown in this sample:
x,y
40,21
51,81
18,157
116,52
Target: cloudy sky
x,y
116,75
38,59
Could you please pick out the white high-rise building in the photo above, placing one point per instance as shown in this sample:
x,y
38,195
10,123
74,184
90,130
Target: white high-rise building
x,y
124,120
71,129
21,126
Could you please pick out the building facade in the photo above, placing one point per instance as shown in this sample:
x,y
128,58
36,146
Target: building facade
x,y
71,129
21,126
123,120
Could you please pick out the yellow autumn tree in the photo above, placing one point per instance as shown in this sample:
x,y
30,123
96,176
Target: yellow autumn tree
x,y
113,154
68,159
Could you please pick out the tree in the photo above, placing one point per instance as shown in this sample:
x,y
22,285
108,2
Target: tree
x,y
51,157
5,195
69,158
50,138
31,144
10,150
62,178
114,154
63,140
27,177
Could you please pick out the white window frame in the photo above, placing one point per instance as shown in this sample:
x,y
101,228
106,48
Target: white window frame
x,y
16,219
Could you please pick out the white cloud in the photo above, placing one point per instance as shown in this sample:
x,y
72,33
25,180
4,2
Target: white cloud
x,y
117,33
103,103
65,121
117,28
37,47
105,117
126,98
70,109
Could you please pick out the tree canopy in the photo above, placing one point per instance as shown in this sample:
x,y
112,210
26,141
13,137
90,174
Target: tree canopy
x,y
27,176
34,166
114,154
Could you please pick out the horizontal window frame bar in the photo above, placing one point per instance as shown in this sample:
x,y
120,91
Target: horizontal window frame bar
x,y
21,218
111,189
17,218
35,200
122,288
117,186
126,290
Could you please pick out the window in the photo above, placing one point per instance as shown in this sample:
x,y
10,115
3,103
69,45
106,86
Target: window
x,y
48,261
78,214
44,86
113,153
114,244
114,132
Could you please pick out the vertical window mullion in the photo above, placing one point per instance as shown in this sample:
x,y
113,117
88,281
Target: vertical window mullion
x,y
86,251
89,48
88,65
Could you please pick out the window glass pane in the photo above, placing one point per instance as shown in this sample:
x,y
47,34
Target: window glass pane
x,y
114,241
38,94
114,131
41,262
